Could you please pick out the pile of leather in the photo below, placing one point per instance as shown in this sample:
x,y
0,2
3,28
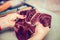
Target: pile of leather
x,y
25,28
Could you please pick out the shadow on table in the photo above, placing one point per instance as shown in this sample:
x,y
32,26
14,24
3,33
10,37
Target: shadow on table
x,y
6,30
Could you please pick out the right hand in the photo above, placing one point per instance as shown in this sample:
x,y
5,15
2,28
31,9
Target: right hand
x,y
40,32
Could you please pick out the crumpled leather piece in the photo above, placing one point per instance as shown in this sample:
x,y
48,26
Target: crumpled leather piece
x,y
26,27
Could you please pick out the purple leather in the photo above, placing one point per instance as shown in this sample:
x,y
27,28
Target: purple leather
x,y
25,29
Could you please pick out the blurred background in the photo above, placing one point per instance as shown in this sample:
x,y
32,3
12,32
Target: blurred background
x,y
52,7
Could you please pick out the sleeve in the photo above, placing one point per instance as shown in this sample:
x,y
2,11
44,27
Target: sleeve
x,y
15,3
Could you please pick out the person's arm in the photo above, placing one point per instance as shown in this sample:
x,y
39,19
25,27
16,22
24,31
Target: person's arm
x,y
5,6
4,23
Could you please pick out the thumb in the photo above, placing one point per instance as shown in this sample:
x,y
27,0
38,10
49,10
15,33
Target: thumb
x,y
14,16
20,16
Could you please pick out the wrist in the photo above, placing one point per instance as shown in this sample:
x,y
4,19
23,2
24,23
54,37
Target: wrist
x,y
2,23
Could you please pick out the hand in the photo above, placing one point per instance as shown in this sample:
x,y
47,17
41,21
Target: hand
x,y
8,20
40,32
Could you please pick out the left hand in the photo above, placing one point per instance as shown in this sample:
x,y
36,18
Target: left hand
x,y
9,20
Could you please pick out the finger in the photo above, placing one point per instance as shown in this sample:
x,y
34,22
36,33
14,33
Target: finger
x,y
40,32
20,16
23,9
13,16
